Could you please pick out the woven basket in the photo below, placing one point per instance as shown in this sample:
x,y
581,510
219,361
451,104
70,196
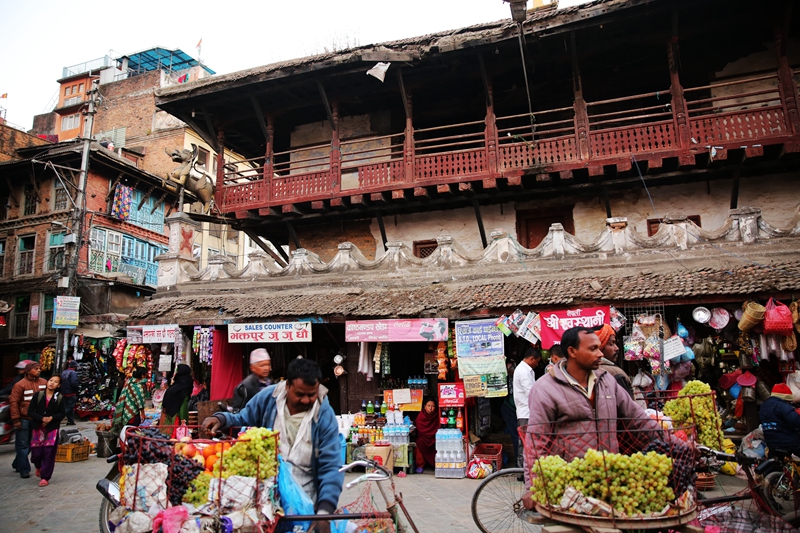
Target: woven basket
x,y
705,481
789,343
653,329
752,316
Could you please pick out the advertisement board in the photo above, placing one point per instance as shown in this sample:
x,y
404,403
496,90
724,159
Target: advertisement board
x,y
397,330
270,332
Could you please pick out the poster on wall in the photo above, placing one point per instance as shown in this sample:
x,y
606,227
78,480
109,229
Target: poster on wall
x,y
66,312
555,323
270,332
397,330
478,338
480,347
475,386
391,396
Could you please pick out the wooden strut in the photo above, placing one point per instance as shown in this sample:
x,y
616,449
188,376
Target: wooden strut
x,y
327,104
158,204
282,261
383,230
146,197
293,235
479,218
260,116
211,131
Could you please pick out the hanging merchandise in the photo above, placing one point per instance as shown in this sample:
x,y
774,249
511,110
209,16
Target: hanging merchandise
x,y
385,360
202,343
777,319
47,358
121,205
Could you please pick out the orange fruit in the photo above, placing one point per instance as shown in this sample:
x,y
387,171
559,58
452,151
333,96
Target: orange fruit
x,y
209,450
210,462
226,446
218,448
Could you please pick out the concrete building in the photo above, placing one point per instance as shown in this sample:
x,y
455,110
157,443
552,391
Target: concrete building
x,y
653,160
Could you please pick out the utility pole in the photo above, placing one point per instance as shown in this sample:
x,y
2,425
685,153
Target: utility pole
x,y
79,215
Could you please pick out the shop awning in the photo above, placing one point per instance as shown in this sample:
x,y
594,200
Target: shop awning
x,y
92,333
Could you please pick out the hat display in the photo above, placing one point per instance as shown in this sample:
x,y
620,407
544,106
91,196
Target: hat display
x,y
719,318
701,315
747,380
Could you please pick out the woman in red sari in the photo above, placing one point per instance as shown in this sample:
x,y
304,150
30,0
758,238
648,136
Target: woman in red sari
x,y
427,425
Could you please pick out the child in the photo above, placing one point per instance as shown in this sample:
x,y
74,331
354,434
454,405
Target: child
x,y
46,410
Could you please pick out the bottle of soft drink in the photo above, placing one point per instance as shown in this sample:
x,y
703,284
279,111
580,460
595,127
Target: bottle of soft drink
x,y
460,419
383,408
363,406
370,408
451,418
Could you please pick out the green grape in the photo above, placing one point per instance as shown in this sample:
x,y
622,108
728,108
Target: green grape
x,y
197,494
253,455
699,411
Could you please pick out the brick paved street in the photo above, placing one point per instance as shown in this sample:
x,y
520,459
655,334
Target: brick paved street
x,y
70,504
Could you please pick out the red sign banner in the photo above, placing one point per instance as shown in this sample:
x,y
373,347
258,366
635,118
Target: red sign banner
x,y
555,323
451,394
397,330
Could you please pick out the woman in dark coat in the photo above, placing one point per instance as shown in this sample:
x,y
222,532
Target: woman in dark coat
x,y
46,411
175,407
427,424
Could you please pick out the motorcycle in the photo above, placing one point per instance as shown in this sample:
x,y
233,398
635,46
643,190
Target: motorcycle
x,y
108,487
7,430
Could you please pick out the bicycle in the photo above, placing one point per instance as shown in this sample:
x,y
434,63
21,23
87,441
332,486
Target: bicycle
x,y
497,504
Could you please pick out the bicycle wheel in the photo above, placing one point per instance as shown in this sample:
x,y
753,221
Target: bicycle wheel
x,y
497,503
779,492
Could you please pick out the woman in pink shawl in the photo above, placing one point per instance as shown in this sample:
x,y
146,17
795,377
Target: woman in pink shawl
x,y
427,425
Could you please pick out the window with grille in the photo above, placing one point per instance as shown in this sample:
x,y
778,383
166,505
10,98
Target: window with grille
x,y
25,255
55,252
22,309
31,201
106,247
60,196
423,249
654,223
2,258
47,320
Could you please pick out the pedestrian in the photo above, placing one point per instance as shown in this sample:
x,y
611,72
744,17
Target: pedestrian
x,y
260,367
427,425
524,378
69,390
556,355
129,410
610,349
21,396
299,410
47,410
6,391
508,410
175,407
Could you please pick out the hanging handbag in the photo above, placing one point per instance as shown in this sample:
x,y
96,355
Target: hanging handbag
x,y
777,319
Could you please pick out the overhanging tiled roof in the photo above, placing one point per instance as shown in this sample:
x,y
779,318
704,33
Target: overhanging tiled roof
x,y
462,298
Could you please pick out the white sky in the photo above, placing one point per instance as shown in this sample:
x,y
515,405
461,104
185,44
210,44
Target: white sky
x,y
39,38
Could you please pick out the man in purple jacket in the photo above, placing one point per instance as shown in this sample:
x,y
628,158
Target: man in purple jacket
x,y
69,390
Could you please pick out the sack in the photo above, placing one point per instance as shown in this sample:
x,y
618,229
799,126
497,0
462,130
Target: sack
x,y
477,469
777,319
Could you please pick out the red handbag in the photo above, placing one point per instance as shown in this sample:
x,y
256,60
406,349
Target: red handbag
x,y
777,319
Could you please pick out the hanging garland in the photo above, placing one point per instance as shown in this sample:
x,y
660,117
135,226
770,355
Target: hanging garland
x,y
203,343
47,358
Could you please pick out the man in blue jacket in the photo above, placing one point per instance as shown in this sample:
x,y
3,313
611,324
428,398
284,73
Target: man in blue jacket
x,y
309,433
69,390
779,421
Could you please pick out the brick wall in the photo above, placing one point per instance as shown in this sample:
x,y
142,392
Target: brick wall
x,y
11,139
324,240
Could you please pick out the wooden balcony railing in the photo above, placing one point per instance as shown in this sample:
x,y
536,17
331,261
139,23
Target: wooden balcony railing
x,y
729,114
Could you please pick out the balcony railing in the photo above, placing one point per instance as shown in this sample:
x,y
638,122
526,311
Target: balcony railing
x,y
589,135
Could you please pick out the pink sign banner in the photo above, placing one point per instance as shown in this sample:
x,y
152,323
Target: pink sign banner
x,y
555,323
397,330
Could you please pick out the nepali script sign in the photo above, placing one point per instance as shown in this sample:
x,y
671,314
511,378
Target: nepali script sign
x,y
67,312
270,332
160,334
397,330
555,323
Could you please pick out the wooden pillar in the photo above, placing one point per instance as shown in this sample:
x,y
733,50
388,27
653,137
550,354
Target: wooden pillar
x,y
336,153
581,117
408,158
787,86
490,135
269,161
680,111
220,177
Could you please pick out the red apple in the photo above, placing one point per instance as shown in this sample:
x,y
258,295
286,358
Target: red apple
x,y
190,450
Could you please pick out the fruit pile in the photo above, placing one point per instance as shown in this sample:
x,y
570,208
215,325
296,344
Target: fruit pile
x,y
255,454
699,411
632,484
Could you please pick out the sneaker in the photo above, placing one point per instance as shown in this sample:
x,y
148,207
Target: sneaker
x,y
38,472
26,475
419,470
44,483
70,423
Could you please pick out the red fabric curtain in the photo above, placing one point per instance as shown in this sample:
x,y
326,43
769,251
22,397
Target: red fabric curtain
x,y
226,367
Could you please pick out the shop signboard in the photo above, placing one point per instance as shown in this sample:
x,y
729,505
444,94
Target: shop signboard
x,y
413,395
397,330
270,332
66,312
555,323
451,395
133,334
159,334
478,338
475,386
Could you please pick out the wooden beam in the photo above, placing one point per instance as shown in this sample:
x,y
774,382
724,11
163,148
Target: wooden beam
x,y
479,218
292,210
490,183
260,117
146,197
326,104
211,131
421,193
465,187
595,171
340,203
261,244
403,93
113,188
565,175
444,188
383,230
319,205
158,203
400,195
515,181
753,151
543,177
485,79
269,212
293,235
387,55
378,197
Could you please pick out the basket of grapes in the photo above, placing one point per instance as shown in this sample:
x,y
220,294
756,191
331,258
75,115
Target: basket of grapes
x,y
694,405
620,473
230,484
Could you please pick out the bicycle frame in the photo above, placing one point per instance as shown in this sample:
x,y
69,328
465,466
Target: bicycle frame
x,y
393,506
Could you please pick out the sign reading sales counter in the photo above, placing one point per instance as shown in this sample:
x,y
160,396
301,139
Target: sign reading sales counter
x,y
270,332
397,330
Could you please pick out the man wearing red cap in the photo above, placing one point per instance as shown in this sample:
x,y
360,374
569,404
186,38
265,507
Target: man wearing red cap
x,y
779,421
610,349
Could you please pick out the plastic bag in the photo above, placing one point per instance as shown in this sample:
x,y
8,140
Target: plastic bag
x,y
295,501
687,356
477,469
753,444
641,380
777,318
171,520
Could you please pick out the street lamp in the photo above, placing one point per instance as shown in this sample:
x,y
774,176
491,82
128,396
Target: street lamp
x,y
519,10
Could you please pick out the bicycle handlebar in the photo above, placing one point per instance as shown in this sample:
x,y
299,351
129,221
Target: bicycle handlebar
x,y
382,474
739,458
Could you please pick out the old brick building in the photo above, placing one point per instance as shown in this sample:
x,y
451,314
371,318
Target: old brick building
x,y
115,268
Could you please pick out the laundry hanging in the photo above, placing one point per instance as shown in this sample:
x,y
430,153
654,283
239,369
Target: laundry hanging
x,y
123,200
